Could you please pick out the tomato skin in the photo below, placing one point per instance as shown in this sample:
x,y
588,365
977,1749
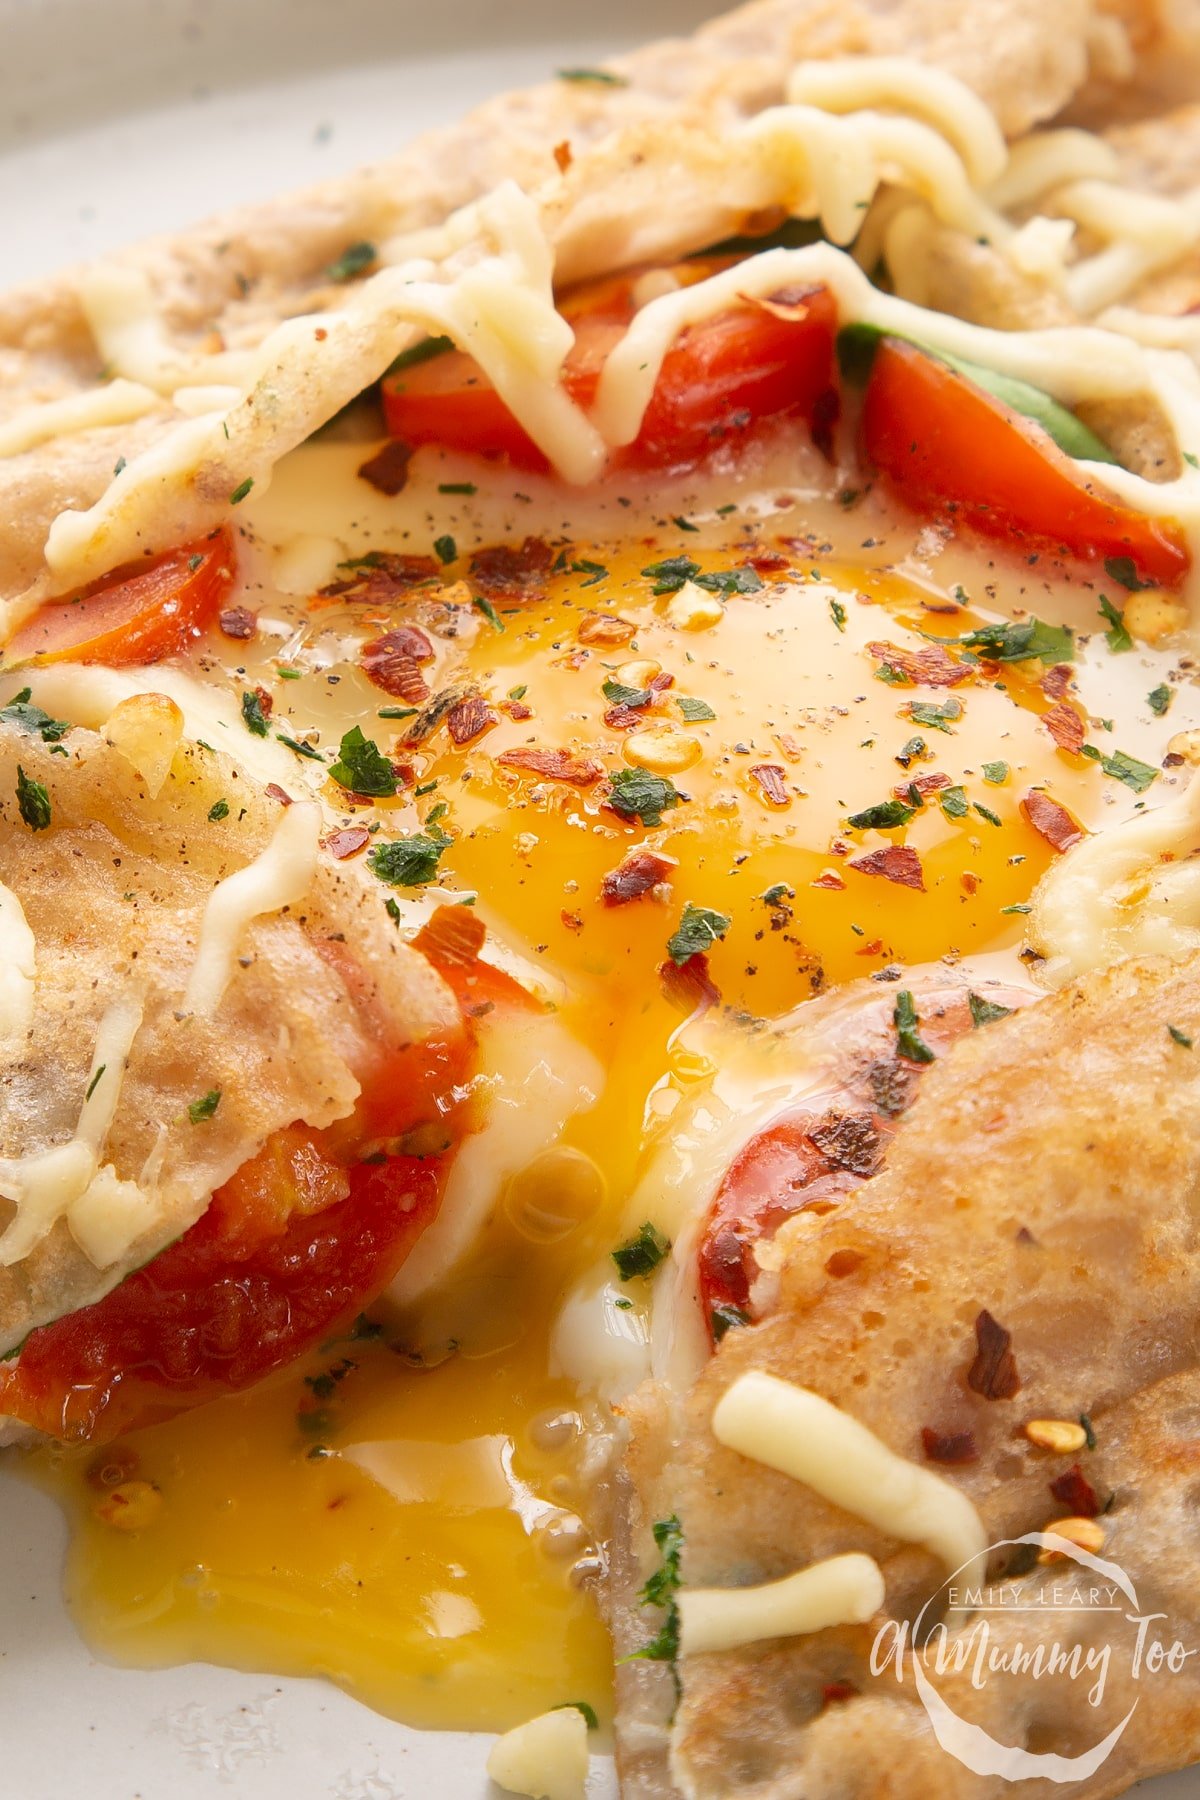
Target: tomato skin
x,y
947,447
134,616
213,1313
720,378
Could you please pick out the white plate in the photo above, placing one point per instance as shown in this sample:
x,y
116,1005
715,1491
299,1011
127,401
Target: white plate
x,y
119,118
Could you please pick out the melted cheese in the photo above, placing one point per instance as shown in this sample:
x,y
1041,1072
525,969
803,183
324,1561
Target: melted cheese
x,y
842,1590
18,970
790,1429
546,1758
113,404
126,324
281,876
848,84
1133,890
46,1185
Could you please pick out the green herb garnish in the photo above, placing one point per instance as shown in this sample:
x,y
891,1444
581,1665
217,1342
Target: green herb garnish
x,y
33,801
205,1107
698,930
642,1253
362,767
636,794
908,1038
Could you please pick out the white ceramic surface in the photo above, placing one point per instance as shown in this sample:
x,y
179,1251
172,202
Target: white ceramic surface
x,y
119,118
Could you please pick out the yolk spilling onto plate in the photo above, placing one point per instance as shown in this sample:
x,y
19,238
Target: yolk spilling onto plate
x,y
404,1514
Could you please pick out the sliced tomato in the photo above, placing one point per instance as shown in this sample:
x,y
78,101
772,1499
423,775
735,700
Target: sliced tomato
x,y
270,1270
950,449
135,615
722,377
813,1157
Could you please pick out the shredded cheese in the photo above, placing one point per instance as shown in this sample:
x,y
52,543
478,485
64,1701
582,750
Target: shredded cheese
x,y
849,84
18,970
1132,890
842,1590
46,1185
546,1758
113,404
281,876
796,1431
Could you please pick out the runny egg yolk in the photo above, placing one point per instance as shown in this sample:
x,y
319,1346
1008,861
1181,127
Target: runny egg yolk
x,y
408,1514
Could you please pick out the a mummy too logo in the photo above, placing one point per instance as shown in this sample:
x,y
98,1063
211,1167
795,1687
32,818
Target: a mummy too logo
x,y
1060,1634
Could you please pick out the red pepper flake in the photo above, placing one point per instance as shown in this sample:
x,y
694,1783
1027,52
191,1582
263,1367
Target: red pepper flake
x,y
341,844
382,576
635,876
898,863
769,777
994,1370
1056,681
767,562
505,573
562,156
835,1691
265,701
387,470
828,878
658,684
689,984
470,719
791,746
1050,820
554,765
924,784
872,948
572,921
516,709
604,629
574,659
969,881
791,304
451,934
391,663
930,666
623,718
953,1447
1076,1493
277,793
1065,726
238,622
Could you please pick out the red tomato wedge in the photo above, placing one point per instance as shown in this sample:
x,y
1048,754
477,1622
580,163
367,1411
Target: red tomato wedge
x,y
948,448
270,1270
721,377
813,1157
135,615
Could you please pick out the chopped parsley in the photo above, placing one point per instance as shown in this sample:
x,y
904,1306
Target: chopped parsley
x,y
1021,641
409,861
723,1317
362,767
589,1712
1123,767
986,1012
205,1107
672,572
353,260
910,751
838,614
482,604
519,692
776,894
620,695
593,570
392,909
593,77
683,524
241,490
985,812
455,487
1159,699
31,718
1018,906
1088,1431
1123,570
398,712
424,350
217,811
886,816
1189,456
33,802
1180,1037
1118,637
939,717
695,711
697,931
908,1037
642,1253
94,1083
953,802
299,749
253,716
636,794
892,675
661,1590
445,549
995,772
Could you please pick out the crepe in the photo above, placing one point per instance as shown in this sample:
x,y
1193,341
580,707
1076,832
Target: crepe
x,y
204,305
1019,1184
